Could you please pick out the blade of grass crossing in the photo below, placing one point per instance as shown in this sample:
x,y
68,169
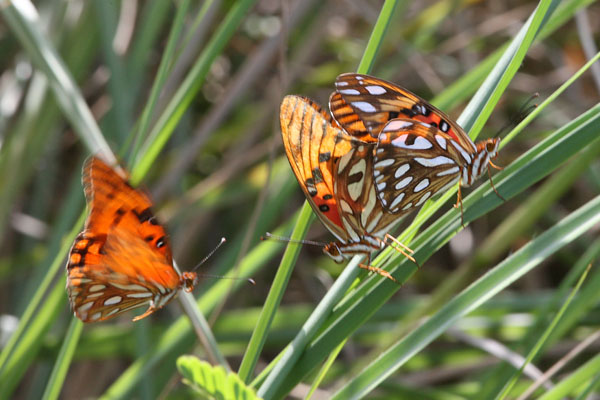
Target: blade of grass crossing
x,y
514,267
171,116
284,271
544,338
373,293
293,351
61,367
165,63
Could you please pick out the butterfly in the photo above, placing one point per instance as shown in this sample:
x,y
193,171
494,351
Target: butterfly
x,y
122,259
419,149
336,173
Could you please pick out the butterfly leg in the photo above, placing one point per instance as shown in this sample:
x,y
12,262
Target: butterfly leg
x,y
404,252
377,270
149,311
459,202
492,182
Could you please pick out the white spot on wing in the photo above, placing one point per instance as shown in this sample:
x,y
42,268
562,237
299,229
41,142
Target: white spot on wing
x,y
341,83
368,209
420,143
462,151
364,106
407,207
349,91
113,312
96,316
85,307
348,227
403,183
96,288
355,188
384,163
450,171
113,300
397,125
375,89
441,141
345,206
139,295
132,287
397,201
381,186
434,162
421,185
401,170
423,198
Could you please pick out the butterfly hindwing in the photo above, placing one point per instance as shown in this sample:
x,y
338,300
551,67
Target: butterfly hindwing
x,y
413,161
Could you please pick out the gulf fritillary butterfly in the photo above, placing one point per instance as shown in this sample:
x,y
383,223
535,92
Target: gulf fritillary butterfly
x,y
122,259
335,172
419,149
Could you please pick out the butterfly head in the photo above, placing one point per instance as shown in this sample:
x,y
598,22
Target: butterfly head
x,y
334,251
188,281
487,150
491,147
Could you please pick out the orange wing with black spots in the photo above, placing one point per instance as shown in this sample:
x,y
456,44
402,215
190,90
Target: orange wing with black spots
x,y
314,145
364,104
122,259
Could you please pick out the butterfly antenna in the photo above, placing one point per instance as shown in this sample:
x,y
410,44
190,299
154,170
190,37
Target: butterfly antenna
x,y
249,280
270,236
524,111
223,240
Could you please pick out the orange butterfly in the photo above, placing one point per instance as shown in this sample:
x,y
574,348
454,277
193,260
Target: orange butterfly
x,y
419,149
336,173
122,259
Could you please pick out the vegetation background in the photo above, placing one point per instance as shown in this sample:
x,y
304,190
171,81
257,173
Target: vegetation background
x,y
186,94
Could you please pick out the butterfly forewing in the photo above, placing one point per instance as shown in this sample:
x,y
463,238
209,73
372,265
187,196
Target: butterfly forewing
x,y
376,102
122,259
313,146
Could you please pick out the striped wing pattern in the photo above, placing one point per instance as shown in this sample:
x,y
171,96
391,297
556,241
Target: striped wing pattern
x,y
375,102
122,259
413,161
335,172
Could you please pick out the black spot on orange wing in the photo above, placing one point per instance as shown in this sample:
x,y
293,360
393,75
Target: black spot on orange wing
x,y
324,157
317,175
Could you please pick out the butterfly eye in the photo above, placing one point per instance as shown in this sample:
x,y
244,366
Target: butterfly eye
x,y
490,146
333,251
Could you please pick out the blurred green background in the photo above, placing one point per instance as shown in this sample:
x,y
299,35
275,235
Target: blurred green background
x,y
187,93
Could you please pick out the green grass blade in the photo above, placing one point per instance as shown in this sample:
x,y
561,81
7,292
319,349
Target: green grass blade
x,y
61,366
259,336
544,337
293,351
24,21
166,123
480,291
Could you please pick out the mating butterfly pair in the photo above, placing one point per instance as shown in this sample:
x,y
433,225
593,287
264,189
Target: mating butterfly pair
x,y
382,153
